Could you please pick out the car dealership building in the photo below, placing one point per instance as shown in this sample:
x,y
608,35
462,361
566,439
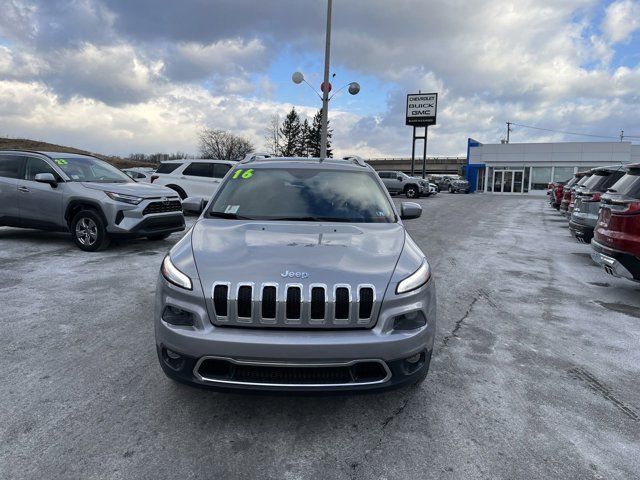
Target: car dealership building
x,y
527,168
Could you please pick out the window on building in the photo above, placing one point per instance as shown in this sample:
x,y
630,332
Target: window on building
x,y
540,177
480,180
562,174
525,182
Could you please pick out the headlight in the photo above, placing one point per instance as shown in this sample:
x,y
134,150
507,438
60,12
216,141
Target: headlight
x,y
120,197
173,275
416,279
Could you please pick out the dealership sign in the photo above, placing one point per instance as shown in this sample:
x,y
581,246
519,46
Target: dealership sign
x,y
421,109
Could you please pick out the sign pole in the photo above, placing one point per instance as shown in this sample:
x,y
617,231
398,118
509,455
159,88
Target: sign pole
x,y
422,109
413,151
424,154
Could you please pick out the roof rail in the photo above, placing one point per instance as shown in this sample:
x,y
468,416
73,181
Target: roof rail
x,y
250,157
355,159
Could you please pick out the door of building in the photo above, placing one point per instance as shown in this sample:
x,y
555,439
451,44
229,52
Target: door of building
x,y
508,181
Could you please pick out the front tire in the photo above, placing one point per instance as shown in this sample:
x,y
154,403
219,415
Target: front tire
x,y
89,232
411,192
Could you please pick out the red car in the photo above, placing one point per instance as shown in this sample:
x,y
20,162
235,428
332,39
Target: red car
x,y
556,194
568,189
616,241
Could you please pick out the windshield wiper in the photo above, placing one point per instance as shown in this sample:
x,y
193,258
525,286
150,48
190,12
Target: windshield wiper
x,y
231,216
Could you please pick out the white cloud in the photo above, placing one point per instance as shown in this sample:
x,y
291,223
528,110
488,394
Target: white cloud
x,y
147,79
114,74
622,18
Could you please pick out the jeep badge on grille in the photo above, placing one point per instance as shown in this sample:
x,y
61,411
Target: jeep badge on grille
x,y
291,274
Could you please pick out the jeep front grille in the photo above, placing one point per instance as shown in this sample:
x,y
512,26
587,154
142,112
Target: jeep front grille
x,y
294,305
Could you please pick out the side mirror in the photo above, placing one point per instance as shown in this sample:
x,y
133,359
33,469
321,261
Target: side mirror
x,y
46,178
193,204
399,178
409,210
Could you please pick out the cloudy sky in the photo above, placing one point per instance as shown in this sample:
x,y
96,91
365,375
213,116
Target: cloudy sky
x,y
122,76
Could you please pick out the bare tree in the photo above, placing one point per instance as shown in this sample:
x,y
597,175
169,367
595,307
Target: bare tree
x,y
223,145
272,136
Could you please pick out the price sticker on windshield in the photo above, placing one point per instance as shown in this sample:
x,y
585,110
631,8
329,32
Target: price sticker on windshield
x,y
243,174
61,161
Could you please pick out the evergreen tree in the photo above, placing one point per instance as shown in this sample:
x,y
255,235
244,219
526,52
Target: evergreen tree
x,y
315,136
304,139
290,132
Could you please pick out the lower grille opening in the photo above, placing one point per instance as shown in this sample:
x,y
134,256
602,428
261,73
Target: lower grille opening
x,y
222,370
368,371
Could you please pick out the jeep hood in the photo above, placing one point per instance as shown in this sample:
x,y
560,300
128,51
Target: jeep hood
x,y
330,253
138,189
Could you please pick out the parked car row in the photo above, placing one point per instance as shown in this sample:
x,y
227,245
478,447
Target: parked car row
x,y
398,182
603,208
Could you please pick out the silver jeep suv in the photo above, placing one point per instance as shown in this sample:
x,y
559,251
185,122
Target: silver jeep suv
x,y
298,275
85,196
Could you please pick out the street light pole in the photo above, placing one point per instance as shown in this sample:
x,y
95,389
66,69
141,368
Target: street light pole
x,y
325,86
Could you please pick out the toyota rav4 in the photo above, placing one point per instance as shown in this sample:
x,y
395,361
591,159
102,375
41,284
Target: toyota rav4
x,y
299,275
83,195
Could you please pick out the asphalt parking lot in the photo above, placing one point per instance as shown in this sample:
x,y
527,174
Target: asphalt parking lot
x,y
535,371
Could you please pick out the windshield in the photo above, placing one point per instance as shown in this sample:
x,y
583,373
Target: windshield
x,y
304,195
87,169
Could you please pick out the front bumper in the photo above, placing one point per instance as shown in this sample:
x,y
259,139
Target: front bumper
x,y
616,263
125,220
186,369
302,347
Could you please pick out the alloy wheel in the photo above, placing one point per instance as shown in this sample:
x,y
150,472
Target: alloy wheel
x,y
86,231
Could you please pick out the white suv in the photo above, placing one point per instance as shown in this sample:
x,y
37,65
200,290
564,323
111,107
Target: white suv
x,y
192,178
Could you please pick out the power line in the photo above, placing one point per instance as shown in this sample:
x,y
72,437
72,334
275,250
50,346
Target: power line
x,y
566,133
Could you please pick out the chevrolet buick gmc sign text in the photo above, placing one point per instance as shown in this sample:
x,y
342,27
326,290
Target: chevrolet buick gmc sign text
x,y
422,109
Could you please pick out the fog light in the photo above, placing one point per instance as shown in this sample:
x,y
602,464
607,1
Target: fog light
x,y
172,359
177,316
415,358
410,321
174,356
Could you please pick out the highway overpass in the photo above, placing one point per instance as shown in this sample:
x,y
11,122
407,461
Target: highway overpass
x,y
451,165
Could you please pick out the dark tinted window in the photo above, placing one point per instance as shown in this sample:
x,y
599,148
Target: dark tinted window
x,y
198,169
168,167
601,181
35,166
385,175
220,169
10,166
629,185
303,194
583,180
